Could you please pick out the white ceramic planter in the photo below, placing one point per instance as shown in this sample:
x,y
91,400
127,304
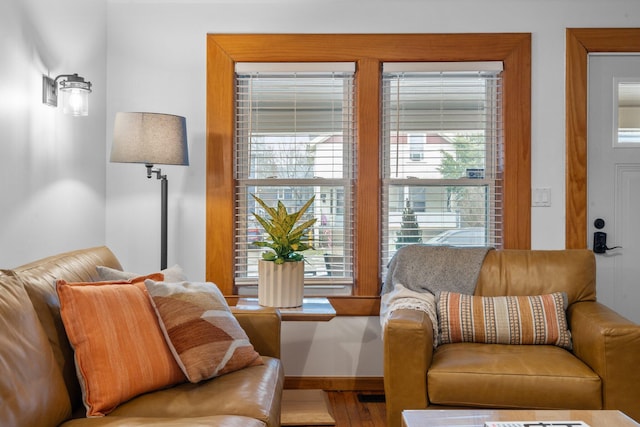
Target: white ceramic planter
x,y
280,285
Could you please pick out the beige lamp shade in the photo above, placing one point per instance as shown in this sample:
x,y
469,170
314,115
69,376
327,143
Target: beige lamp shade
x,y
150,138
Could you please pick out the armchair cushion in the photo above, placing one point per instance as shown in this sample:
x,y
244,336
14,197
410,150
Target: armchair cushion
x,y
511,376
538,319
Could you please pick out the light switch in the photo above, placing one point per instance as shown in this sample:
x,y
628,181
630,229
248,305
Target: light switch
x,y
541,197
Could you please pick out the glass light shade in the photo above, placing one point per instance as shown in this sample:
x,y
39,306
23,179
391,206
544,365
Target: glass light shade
x,y
75,98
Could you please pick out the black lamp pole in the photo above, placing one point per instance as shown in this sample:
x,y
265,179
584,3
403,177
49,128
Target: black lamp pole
x,y
164,190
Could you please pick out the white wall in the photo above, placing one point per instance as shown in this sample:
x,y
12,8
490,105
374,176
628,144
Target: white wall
x,y
52,167
156,60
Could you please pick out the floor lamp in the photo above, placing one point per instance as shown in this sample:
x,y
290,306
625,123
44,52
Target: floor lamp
x,y
152,139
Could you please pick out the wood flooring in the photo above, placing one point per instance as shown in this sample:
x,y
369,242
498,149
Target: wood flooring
x,y
361,409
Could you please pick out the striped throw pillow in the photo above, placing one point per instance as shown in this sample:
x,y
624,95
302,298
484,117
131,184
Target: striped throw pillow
x,y
120,351
205,338
538,319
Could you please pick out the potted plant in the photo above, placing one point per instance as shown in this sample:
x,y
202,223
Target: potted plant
x,y
281,269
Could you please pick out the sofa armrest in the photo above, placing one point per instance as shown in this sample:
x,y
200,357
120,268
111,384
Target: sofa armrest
x,y
408,350
262,325
610,345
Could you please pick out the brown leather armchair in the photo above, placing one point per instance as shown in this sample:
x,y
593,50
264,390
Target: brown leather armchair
x,y
601,372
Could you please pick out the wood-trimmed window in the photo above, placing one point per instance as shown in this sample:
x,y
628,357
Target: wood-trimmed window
x,y
368,52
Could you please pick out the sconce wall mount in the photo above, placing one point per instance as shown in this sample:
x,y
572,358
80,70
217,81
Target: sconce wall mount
x,y
75,93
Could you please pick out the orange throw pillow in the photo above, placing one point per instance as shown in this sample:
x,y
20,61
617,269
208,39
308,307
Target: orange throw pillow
x,y
120,351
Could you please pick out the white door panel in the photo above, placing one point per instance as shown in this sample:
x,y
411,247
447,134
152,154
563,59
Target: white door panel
x,y
614,186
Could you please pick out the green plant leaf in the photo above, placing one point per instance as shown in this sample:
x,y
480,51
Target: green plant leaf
x,y
269,256
302,228
271,211
285,239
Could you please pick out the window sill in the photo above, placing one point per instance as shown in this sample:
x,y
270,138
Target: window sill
x,y
344,306
312,309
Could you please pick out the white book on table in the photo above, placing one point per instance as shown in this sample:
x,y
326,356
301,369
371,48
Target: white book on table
x,y
535,424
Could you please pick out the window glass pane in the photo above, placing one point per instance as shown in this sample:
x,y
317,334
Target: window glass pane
x,y
294,140
330,238
295,156
442,159
453,215
628,112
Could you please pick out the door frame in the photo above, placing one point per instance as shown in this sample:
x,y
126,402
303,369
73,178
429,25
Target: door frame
x,y
579,43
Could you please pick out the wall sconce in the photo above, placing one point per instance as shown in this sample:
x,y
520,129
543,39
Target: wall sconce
x,y
75,93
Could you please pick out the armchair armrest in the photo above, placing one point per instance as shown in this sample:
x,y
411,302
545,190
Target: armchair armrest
x,y
408,350
262,325
610,345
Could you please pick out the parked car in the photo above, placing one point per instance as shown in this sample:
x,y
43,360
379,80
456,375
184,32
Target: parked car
x,y
468,236
254,235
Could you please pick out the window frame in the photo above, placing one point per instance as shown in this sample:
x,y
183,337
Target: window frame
x,y
287,82
368,51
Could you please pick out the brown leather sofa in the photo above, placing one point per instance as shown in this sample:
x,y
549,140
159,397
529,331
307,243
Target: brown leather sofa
x,y
601,372
38,382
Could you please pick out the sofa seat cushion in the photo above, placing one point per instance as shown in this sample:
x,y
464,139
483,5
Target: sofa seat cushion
x,y
215,420
254,392
511,376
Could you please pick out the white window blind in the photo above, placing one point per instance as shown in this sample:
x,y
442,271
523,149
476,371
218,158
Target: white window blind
x,y
442,155
295,139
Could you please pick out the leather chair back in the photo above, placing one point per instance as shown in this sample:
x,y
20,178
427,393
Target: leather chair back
x,y
39,281
536,272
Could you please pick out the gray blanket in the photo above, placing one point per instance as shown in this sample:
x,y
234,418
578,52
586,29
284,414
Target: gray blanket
x,y
423,268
